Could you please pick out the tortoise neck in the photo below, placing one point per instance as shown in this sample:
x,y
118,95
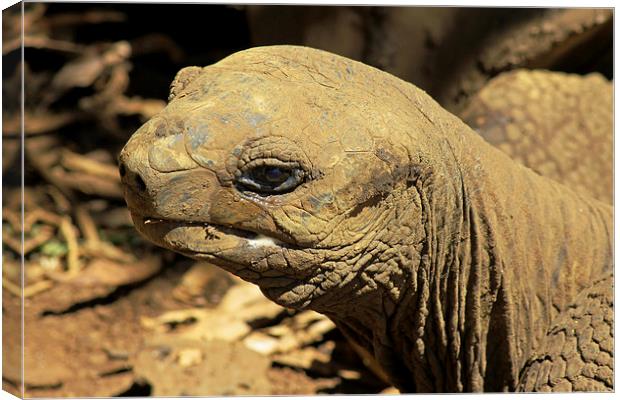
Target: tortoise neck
x,y
531,245
505,251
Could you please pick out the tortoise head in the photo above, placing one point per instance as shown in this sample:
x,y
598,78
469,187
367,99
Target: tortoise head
x,y
291,167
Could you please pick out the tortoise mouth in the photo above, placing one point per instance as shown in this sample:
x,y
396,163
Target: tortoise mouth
x,y
229,230
201,237
277,267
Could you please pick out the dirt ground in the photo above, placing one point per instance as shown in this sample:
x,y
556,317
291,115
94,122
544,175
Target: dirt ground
x,y
108,314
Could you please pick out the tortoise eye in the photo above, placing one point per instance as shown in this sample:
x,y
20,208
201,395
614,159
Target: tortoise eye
x,y
271,179
272,175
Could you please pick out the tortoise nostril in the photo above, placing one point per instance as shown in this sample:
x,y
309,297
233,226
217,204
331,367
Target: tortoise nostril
x,y
130,177
140,185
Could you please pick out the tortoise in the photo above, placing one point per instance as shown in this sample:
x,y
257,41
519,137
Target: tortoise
x,y
340,188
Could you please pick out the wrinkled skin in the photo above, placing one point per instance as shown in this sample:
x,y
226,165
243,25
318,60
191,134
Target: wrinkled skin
x,y
428,247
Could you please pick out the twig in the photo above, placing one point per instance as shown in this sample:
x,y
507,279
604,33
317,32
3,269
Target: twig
x,y
89,184
61,201
42,42
94,246
85,18
43,165
73,251
45,234
135,105
11,287
14,244
86,224
60,276
37,288
80,163
12,218
14,221
37,123
29,290
107,251
39,214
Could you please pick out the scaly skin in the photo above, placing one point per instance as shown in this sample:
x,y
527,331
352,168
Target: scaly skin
x,y
560,125
577,354
427,246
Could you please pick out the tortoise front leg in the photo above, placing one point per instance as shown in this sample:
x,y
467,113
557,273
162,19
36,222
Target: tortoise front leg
x,y
577,353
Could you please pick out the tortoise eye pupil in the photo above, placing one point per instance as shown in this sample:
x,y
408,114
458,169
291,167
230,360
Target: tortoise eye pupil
x,y
274,174
271,179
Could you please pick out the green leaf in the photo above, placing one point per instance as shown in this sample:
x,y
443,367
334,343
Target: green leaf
x,y
54,248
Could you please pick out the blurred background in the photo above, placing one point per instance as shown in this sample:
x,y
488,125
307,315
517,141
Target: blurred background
x,y
108,314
